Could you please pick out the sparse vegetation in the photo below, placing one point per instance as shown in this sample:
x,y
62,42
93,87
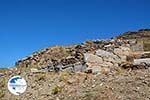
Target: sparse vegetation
x,y
56,89
2,93
2,83
63,76
147,45
40,76
2,87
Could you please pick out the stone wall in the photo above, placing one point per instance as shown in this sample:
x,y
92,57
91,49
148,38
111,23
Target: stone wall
x,y
136,45
140,44
146,44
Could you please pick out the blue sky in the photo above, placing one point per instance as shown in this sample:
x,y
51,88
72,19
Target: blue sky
x,y
29,25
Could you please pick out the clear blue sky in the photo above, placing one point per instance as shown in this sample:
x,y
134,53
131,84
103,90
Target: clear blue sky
x,y
29,25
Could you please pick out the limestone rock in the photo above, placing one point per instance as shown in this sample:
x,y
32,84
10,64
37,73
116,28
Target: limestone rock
x,y
91,58
108,56
34,70
98,70
94,69
122,51
108,64
80,68
141,61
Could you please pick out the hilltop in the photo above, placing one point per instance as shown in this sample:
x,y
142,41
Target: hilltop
x,y
142,33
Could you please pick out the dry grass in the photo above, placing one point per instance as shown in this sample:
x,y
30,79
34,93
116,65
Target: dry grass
x,y
146,46
3,70
40,76
64,76
2,94
2,86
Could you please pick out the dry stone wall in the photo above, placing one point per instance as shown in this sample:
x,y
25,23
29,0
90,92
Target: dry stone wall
x,y
92,55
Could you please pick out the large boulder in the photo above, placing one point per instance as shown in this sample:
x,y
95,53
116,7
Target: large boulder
x,y
93,62
145,61
91,58
79,68
96,64
108,56
122,52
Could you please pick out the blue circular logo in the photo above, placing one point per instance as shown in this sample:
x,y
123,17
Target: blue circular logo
x,y
17,85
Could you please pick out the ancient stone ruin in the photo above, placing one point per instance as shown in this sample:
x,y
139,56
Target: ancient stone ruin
x,y
96,56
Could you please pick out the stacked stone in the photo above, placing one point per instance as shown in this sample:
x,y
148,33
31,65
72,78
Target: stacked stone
x,y
111,53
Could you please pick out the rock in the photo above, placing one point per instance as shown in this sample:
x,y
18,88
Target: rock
x,y
33,85
57,98
94,69
123,58
125,51
145,55
58,67
68,69
98,70
145,61
108,64
71,81
34,70
91,58
101,62
105,70
108,56
104,64
93,62
1,74
126,65
80,68
118,51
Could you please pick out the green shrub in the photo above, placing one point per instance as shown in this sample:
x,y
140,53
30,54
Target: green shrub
x,y
56,89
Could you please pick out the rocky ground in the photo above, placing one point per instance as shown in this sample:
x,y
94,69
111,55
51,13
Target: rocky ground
x,y
94,70
122,85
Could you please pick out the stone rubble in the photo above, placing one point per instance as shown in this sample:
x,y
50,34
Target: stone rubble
x,y
145,61
91,56
1,74
104,59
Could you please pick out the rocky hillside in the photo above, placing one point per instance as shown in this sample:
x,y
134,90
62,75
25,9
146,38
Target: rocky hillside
x,y
57,57
94,70
67,57
142,33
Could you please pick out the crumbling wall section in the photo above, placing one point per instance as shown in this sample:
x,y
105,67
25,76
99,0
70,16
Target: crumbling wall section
x,y
136,45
